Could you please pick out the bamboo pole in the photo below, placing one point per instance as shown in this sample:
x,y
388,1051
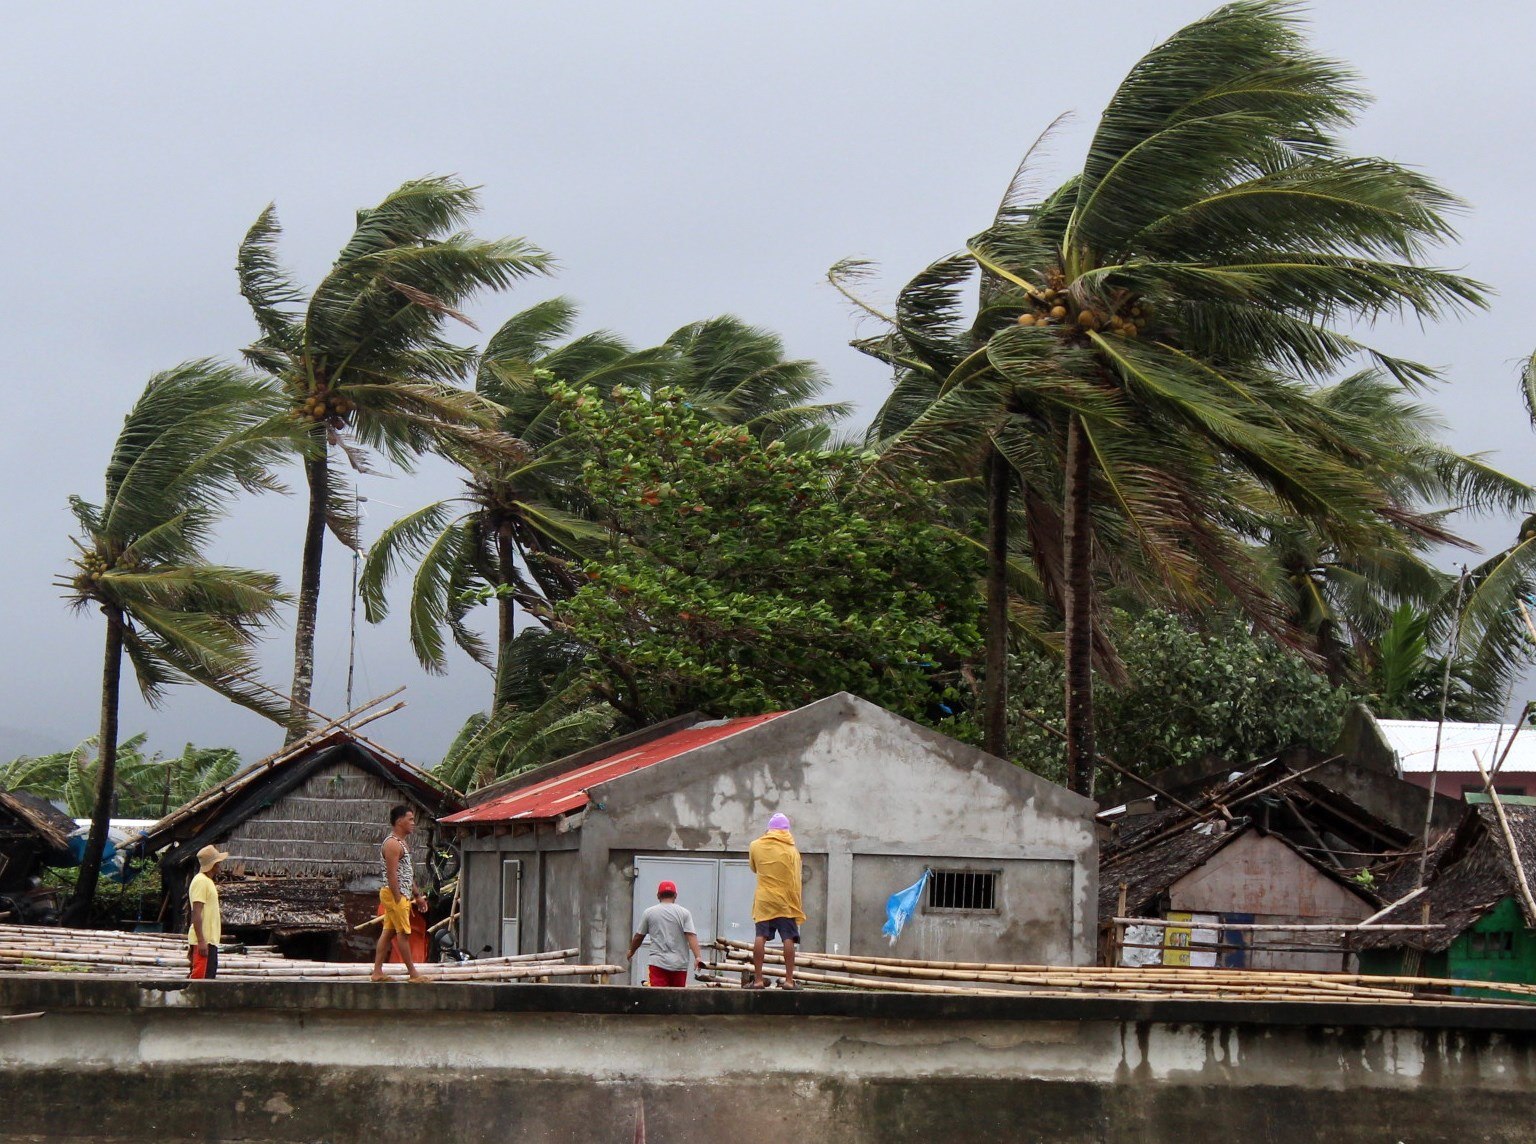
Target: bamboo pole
x,y
1385,910
1509,835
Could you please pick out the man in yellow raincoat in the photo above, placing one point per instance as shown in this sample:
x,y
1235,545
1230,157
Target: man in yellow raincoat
x,y
776,906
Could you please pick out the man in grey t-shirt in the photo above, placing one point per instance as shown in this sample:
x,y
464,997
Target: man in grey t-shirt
x,y
670,928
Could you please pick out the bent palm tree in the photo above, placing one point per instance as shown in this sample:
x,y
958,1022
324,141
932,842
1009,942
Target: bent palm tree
x,y
364,361
1168,296
195,436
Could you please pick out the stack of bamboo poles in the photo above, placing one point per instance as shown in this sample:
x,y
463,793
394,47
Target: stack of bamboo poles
x,y
1151,983
44,949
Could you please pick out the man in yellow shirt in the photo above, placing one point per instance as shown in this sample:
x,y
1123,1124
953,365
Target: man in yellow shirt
x,y
776,906
206,932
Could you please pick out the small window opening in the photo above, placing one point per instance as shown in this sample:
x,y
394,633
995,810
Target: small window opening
x,y
1499,944
962,890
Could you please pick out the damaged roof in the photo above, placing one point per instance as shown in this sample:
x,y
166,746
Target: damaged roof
x,y
1471,872
1149,853
41,817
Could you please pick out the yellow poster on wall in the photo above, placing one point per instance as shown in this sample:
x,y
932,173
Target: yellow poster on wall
x,y
1192,943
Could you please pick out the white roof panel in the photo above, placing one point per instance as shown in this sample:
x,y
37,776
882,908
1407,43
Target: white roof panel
x,y
1414,742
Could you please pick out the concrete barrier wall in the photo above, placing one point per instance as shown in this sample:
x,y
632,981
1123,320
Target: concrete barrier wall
x,y
120,1061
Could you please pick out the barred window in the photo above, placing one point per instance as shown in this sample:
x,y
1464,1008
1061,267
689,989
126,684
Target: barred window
x,y
962,890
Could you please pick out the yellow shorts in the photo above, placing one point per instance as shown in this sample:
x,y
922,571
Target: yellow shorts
x,y
397,911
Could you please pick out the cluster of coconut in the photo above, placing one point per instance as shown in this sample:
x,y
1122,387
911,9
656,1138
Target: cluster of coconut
x,y
324,405
1052,306
93,566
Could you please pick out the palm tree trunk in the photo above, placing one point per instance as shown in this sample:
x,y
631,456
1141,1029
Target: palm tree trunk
x,y
506,614
318,474
77,912
1078,606
999,480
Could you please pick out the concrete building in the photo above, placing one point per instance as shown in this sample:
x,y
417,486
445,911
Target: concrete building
x,y
568,855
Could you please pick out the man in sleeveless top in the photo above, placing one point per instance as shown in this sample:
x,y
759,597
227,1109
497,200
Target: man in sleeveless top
x,y
397,895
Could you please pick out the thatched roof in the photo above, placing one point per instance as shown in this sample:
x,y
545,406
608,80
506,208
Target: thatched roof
x,y
38,816
212,814
1470,873
282,905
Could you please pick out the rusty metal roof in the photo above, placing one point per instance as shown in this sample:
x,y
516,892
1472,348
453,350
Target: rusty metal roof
x,y
567,791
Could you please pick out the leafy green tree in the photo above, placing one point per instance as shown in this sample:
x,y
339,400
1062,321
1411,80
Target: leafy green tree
x,y
362,362
1190,693
744,576
1407,681
147,785
524,518
196,436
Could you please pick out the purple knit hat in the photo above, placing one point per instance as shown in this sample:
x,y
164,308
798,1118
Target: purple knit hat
x,y
779,822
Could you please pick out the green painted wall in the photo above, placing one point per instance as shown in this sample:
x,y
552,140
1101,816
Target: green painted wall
x,y
1497,948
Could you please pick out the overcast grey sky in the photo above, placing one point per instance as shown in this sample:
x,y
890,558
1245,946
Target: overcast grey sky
x,y
680,159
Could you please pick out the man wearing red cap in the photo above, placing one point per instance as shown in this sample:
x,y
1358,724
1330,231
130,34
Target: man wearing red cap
x,y
670,928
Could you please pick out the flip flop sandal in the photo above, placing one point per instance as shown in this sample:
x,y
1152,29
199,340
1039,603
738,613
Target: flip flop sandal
x,y
795,988
380,977
754,985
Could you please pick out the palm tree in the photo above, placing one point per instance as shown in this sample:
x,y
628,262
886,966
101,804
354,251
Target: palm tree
x,y
1172,300
1493,627
364,363
197,435
147,785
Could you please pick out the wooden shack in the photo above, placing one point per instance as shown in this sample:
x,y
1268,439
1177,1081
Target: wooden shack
x,y
1266,847
33,834
303,829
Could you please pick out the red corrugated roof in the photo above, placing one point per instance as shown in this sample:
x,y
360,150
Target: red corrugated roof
x,y
566,792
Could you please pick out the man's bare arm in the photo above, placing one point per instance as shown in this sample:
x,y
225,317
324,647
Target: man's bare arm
x,y
197,927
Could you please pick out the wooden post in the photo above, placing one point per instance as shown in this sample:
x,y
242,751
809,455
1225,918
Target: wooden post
x,y
1119,928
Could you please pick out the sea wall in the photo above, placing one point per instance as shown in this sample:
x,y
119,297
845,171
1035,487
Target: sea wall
x,y
120,1060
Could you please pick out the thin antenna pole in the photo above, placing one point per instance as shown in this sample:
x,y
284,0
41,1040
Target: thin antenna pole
x,y
1445,692
352,628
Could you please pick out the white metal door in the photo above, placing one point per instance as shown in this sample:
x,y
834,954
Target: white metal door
x,y
697,891
737,886
511,899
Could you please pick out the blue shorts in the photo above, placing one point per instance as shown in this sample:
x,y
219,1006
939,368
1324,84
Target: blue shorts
x,y
787,928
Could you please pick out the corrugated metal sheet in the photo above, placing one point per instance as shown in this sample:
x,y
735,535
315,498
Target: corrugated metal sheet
x,y
566,792
1413,740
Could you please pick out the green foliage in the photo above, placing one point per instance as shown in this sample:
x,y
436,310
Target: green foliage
x,y
114,904
744,576
1407,682
148,785
1190,693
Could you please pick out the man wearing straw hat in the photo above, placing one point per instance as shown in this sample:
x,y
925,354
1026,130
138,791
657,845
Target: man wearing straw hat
x,y
206,932
397,895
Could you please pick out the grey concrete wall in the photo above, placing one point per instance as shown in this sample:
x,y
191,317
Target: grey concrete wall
x,y
112,1060
1030,921
856,779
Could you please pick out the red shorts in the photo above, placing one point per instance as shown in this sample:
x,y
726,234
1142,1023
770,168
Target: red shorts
x,y
204,967
672,978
